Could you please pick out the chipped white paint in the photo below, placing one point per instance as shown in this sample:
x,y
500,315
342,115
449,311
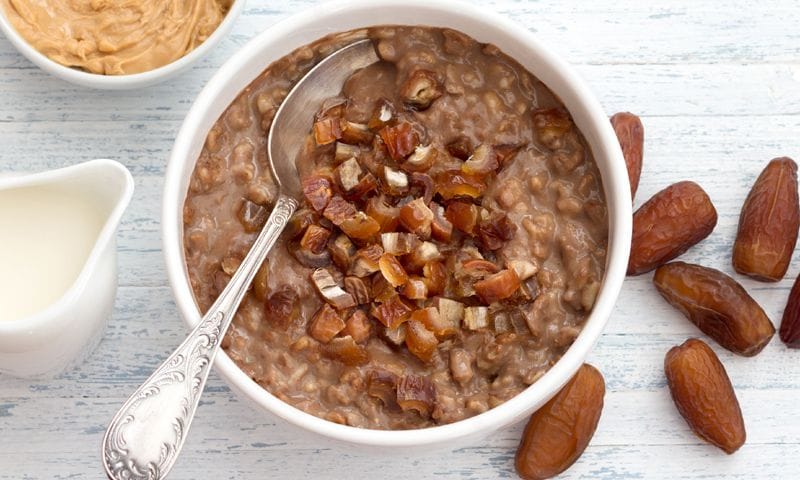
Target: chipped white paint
x,y
718,85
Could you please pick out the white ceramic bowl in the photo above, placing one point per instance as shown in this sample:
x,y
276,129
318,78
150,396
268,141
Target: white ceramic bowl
x,y
65,333
120,82
485,26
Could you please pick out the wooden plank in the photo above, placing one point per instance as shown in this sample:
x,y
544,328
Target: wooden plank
x,y
679,90
630,418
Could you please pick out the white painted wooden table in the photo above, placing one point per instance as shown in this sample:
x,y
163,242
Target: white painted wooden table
x,y
717,83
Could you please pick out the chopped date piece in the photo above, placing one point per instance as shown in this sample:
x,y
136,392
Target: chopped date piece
x,y
505,153
230,264
355,133
339,210
307,258
358,289
392,270
349,173
460,148
416,217
387,216
452,184
330,290
261,281
318,191
396,182
365,262
400,140
501,321
416,393
415,288
392,312
380,289
422,186
551,126
395,336
469,252
342,251
282,306
440,326
367,184
252,216
397,243
496,231
479,267
220,280
315,239
497,287
435,279
421,160
382,114
426,252
476,318
463,216
327,130
360,226
464,279
345,152
441,227
299,222
450,311
420,341
523,268
420,89
358,326
332,108
382,385
482,161
346,350
326,324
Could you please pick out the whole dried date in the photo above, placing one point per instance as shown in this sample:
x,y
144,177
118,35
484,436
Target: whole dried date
x,y
768,223
630,134
703,393
668,224
790,324
717,304
559,432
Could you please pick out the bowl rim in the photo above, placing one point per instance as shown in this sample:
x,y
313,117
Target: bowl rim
x,y
616,186
119,82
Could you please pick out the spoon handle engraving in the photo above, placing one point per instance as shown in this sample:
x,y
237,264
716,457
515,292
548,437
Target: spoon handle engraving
x,y
145,436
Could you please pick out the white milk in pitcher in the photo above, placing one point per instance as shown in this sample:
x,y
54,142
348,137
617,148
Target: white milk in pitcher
x,y
46,235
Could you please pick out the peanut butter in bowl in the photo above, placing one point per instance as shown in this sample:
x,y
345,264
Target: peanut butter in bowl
x,y
115,37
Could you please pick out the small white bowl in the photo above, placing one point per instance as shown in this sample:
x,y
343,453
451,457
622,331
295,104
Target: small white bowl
x,y
485,26
120,82
65,333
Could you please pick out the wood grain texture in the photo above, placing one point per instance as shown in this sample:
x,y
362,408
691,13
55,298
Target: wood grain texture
x,y
718,85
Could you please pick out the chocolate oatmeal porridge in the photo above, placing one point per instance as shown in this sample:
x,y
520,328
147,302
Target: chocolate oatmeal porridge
x,y
450,244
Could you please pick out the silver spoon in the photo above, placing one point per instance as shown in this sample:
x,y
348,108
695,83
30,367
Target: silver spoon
x,y
145,437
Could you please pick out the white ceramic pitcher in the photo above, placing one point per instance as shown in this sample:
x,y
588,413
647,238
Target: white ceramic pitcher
x,y
64,333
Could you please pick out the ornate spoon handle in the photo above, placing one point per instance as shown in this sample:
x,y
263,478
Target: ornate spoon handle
x,y
144,438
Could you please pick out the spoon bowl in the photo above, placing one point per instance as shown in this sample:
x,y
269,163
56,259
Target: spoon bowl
x,y
296,113
146,435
